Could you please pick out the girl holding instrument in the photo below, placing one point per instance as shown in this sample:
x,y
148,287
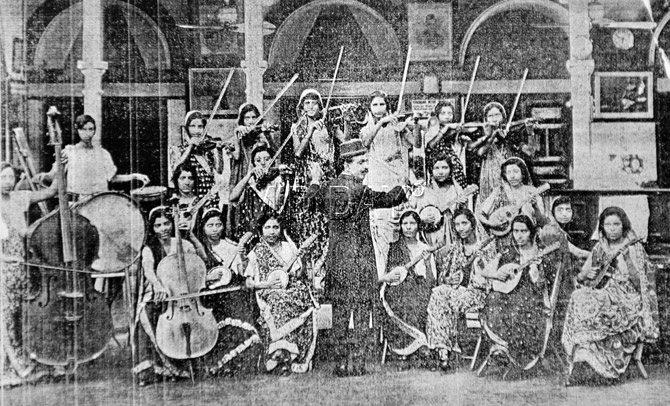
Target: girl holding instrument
x,y
274,271
515,321
186,183
461,287
443,136
262,190
406,299
515,188
18,368
495,146
249,136
604,325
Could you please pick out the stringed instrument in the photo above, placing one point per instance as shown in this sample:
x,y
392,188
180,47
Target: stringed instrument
x,y
186,329
462,280
226,272
403,270
66,322
282,274
606,269
516,270
434,212
503,216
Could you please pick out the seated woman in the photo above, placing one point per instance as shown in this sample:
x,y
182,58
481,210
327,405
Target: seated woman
x,y
406,300
604,324
287,328
461,288
186,183
225,260
515,322
262,190
444,137
515,189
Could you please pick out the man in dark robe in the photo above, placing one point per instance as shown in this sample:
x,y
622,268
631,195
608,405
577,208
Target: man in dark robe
x,y
351,283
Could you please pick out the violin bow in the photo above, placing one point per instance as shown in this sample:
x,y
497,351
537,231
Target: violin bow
x,y
516,101
404,79
218,101
332,83
279,96
472,84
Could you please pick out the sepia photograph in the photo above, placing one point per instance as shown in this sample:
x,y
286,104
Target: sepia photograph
x,y
334,202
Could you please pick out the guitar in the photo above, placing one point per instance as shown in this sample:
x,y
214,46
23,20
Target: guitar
x,y
503,216
515,270
606,269
282,274
431,211
404,269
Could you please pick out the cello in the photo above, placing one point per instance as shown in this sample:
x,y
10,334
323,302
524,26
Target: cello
x,y
66,322
186,329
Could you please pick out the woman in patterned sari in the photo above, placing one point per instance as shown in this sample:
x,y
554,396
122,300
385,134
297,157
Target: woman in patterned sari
x,y
461,288
287,328
604,325
405,300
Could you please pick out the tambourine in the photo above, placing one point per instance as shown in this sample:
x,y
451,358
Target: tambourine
x,y
431,211
148,193
403,274
226,276
279,275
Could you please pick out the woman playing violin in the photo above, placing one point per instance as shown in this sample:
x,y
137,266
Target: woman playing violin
x,y
249,136
407,302
515,188
226,261
603,326
515,321
313,144
262,190
461,287
18,368
284,301
444,137
495,146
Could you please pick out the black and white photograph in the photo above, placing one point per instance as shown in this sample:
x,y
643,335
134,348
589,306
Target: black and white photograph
x,y
334,202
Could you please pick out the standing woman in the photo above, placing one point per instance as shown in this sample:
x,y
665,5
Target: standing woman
x,y
515,322
18,368
461,287
249,137
407,303
312,145
494,147
443,136
199,153
388,142
285,306
603,326
226,260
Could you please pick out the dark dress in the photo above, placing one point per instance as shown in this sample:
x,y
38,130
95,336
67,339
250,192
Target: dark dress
x,y
516,321
350,283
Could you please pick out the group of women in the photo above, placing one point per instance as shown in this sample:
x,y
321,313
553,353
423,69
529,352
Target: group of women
x,y
243,210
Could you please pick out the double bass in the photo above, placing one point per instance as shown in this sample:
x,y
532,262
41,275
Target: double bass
x,y
65,321
186,329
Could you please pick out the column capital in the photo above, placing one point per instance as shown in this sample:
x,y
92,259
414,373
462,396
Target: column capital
x,y
92,65
580,67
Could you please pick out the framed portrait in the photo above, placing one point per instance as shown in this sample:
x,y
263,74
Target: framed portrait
x,y
429,29
205,85
215,13
623,95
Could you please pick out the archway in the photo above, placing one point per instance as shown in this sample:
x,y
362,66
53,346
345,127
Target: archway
x,y
548,8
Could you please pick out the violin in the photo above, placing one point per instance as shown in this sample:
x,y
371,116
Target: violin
x,y
66,321
186,329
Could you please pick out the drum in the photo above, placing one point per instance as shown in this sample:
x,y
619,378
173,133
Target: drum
x,y
431,211
148,193
120,226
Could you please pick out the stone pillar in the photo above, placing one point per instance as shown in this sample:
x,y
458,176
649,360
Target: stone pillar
x,y
92,66
253,64
580,66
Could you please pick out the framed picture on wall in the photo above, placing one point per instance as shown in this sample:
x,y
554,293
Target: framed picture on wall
x,y
429,30
623,95
205,85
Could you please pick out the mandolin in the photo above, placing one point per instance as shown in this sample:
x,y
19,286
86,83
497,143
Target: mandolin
x,y
404,269
515,270
607,269
503,216
475,254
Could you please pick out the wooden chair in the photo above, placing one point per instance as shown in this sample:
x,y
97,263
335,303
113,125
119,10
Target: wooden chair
x,y
472,322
